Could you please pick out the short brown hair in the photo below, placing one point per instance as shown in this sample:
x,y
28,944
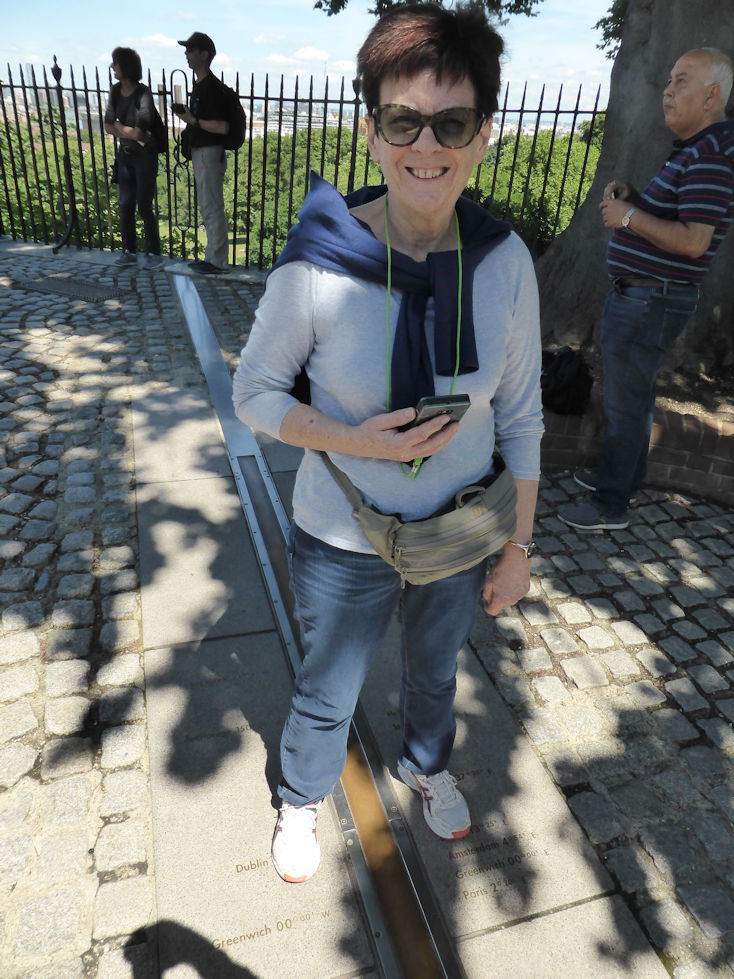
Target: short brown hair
x,y
453,44
128,61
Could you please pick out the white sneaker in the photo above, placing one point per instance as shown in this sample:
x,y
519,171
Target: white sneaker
x,y
295,850
444,807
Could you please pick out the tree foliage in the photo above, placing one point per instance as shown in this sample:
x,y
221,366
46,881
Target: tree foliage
x,y
611,27
591,131
36,208
273,180
495,8
536,183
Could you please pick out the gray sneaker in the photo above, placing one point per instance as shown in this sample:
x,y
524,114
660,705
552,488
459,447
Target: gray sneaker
x,y
152,261
586,516
588,478
206,268
125,259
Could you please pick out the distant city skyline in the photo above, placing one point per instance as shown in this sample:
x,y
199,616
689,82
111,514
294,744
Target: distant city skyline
x,y
289,38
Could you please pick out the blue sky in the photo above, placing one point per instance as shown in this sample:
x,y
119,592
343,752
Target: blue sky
x,y
285,37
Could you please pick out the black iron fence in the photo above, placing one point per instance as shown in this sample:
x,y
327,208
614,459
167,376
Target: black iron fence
x,y
55,160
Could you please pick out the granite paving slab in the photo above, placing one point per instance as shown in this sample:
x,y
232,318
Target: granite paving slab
x,y
525,854
215,714
598,939
176,436
199,575
280,457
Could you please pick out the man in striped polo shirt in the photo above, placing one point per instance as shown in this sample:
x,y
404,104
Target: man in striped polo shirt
x,y
662,245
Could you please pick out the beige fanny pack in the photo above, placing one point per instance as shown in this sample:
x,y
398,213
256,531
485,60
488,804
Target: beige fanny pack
x,y
479,520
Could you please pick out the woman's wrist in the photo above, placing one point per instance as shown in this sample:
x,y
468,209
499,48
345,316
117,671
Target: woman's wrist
x,y
521,547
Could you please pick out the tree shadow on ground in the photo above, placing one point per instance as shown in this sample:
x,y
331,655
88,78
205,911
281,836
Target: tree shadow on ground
x,y
168,944
210,728
638,750
72,374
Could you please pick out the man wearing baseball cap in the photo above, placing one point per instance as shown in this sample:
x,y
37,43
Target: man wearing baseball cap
x,y
206,127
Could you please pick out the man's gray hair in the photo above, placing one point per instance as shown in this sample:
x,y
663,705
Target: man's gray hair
x,y
722,72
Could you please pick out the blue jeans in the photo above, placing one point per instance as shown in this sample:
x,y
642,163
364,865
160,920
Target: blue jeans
x,y
638,326
344,604
137,177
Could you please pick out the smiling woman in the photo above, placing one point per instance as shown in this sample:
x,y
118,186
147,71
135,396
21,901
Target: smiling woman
x,y
425,176
396,293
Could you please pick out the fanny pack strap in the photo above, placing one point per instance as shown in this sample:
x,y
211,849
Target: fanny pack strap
x,y
356,499
347,486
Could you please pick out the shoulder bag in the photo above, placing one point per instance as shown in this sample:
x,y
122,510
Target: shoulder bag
x,y
477,521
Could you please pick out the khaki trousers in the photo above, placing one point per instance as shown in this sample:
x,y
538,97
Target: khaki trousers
x,y
210,165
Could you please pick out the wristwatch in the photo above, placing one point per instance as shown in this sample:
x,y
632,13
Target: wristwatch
x,y
628,215
530,548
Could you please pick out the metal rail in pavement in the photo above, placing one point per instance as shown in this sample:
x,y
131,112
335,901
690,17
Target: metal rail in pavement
x,y
406,928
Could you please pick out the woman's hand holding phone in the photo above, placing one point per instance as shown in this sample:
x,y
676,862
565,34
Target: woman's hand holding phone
x,y
454,406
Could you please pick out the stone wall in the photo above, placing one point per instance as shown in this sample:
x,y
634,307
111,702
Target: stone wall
x,y
689,453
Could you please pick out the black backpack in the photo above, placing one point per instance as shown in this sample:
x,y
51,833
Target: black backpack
x,y
235,116
565,381
158,132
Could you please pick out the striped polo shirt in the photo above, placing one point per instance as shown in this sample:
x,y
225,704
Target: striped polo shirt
x,y
696,184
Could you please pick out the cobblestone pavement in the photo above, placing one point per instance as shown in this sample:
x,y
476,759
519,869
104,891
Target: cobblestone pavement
x,y
619,664
76,873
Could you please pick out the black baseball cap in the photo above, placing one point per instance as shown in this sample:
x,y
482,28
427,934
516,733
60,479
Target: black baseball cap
x,y
202,42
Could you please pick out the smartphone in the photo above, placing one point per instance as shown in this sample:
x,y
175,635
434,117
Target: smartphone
x,y
453,405
178,107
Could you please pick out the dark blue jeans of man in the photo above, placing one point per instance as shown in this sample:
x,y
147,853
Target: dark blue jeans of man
x,y
345,602
137,176
638,326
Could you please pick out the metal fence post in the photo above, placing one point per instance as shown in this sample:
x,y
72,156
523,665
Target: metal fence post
x,y
72,222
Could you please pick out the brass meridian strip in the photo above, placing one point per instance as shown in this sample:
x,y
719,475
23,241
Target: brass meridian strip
x,y
414,949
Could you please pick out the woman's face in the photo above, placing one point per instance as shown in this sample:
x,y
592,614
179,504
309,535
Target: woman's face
x,y
116,71
426,176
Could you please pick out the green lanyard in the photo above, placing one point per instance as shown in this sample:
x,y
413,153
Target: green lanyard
x,y
418,463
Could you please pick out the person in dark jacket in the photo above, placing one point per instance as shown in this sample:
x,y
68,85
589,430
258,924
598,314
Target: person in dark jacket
x,y
129,118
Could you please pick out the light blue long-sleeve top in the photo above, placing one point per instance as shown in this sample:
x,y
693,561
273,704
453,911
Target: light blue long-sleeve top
x,y
336,325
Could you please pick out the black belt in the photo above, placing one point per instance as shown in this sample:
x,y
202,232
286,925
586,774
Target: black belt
x,y
640,282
